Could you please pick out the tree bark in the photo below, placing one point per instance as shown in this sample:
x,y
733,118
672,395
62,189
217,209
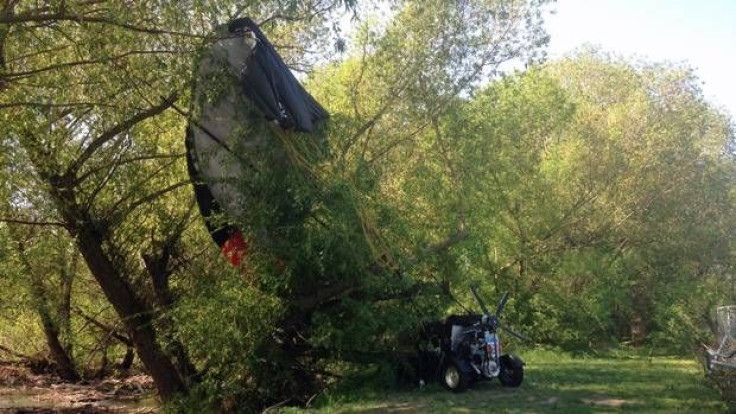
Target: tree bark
x,y
127,361
67,274
137,317
64,364
158,268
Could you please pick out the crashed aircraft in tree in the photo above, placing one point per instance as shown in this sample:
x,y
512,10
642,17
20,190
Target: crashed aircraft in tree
x,y
243,97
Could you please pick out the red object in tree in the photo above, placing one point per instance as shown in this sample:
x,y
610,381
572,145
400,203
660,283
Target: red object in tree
x,y
235,248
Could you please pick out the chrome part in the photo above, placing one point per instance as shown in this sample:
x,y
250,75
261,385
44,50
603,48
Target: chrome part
x,y
452,377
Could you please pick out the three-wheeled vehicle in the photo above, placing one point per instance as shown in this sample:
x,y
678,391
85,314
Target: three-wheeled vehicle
x,y
466,348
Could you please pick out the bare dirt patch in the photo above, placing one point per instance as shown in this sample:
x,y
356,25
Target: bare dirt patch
x,y
608,402
24,392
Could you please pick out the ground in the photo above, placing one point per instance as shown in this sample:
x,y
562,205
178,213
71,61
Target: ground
x,y
27,393
556,382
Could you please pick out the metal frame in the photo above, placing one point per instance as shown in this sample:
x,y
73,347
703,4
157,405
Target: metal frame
x,y
724,355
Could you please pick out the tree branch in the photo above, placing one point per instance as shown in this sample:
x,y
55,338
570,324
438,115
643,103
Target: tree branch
x,y
310,303
38,104
146,181
295,18
117,218
112,331
86,62
118,129
7,11
123,161
35,17
28,222
461,235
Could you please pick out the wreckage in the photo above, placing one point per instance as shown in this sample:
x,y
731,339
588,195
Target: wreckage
x,y
244,97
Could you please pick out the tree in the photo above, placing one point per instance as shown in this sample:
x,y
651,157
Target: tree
x,y
590,177
332,256
55,322
330,243
81,85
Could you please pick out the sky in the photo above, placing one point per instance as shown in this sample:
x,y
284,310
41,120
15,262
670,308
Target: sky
x,y
701,33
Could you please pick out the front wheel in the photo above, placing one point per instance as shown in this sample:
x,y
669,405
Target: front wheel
x,y
512,372
453,377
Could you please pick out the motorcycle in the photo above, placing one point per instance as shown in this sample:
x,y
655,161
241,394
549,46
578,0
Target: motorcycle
x,y
467,349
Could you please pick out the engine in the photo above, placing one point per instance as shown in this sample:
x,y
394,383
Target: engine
x,y
483,354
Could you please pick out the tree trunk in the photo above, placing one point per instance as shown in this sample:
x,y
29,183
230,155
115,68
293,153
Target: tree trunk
x,y
67,274
63,360
157,266
64,364
127,361
137,317
639,308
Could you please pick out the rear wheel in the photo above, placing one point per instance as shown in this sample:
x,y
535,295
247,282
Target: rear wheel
x,y
453,378
511,375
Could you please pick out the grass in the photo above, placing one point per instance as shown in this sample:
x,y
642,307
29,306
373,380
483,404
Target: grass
x,y
554,382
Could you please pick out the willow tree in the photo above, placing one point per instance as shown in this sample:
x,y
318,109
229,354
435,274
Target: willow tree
x,y
87,93
341,252
601,192
659,156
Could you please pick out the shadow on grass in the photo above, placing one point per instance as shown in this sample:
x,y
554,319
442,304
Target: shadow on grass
x,y
556,382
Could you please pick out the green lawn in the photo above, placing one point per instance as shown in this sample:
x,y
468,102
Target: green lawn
x,y
555,382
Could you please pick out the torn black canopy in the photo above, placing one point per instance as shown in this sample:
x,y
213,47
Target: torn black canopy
x,y
271,86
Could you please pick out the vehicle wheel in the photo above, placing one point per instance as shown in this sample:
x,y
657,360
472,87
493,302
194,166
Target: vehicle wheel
x,y
511,375
453,377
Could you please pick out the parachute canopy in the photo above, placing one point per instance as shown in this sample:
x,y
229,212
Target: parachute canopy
x,y
269,83
243,90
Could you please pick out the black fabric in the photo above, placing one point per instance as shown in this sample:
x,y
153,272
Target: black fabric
x,y
269,83
463,320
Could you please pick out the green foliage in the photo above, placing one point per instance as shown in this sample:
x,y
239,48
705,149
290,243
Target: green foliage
x,y
224,322
596,205
599,191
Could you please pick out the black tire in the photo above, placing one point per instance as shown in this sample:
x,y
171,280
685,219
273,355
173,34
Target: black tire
x,y
453,378
512,374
